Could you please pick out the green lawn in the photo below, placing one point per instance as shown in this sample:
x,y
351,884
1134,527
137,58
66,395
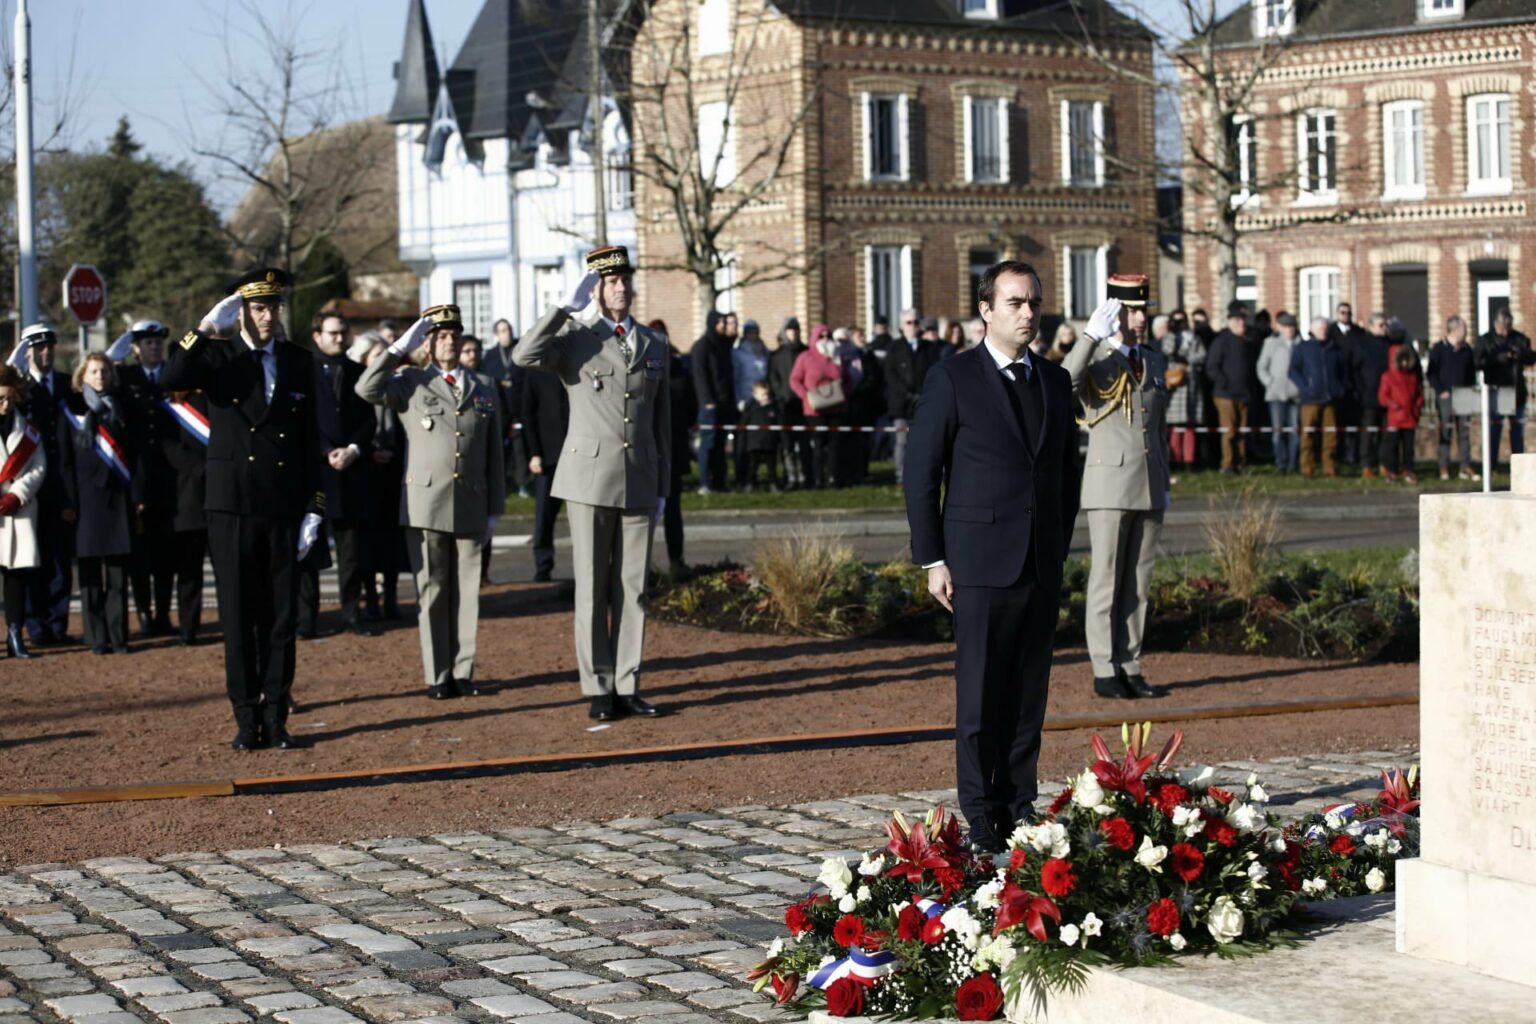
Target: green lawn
x,y
881,492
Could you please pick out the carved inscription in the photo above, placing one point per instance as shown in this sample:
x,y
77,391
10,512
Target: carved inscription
x,y
1504,721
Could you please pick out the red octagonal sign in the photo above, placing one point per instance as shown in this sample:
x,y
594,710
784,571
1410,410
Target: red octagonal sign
x,y
85,293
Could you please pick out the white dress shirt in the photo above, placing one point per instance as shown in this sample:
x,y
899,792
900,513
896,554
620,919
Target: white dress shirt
x,y
268,363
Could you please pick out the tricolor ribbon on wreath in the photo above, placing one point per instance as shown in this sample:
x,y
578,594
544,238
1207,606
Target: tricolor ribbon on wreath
x,y
106,445
930,908
19,458
191,420
859,964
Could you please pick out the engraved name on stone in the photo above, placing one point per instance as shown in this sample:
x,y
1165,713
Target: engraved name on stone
x,y
1504,720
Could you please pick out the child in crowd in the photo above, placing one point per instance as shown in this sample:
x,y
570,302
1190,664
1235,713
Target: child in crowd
x,y
762,445
1402,394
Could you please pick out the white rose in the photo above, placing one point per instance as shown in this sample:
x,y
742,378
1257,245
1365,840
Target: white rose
x,y
1375,880
1314,886
1257,794
1177,941
1151,857
871,865
987,897
847,903
1091,926
835,876
1069,934
1257,872
775,947
1245,817
1378,839
1049,838
1393,846
1086,791
1224,921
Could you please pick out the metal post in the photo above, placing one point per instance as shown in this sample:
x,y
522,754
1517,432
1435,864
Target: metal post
x,y
595,96
26,231
1489,461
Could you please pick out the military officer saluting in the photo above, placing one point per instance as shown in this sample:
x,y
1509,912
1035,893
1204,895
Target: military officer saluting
x,y
263,490
613,471
1119,381
454,489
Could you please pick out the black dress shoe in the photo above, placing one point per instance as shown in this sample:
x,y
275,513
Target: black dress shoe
x,y
442,691
1113,688
187,641
602,709
629,704
983,841
1139,688
283,741
360,627
543,576
245,739
304,634
100,649
467,688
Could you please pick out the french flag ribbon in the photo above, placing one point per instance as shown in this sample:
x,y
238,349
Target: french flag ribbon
x,y
931,908
18,459
106,445
858,964
191,420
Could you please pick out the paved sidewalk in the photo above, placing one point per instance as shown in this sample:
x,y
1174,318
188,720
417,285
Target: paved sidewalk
x,y
608,922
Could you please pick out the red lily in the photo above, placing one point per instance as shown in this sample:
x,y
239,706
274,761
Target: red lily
x,y
916,852
1016,904
1127,775
1397,791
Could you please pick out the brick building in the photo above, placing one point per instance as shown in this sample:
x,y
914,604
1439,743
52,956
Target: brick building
x,y
1407,121
938,136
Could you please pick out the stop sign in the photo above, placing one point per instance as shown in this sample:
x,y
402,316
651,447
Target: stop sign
x,y
85,293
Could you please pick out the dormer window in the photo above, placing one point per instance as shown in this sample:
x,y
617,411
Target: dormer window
x,y
1430,9
1275,17
979,8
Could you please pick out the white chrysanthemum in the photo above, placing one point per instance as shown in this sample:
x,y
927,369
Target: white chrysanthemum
x,y
1334,820
986,897
963,926
1177,941
835,876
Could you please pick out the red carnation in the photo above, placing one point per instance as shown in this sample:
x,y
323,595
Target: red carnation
x,y
933,931
1188,862
909,923
1170,795
849,930
797,920
1342,845
949,879
1016,858
1056,877
979,998
1118,833
1221,796
845,998
1219,831
1059,802
1163,917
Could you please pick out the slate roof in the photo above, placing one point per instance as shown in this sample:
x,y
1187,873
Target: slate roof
x,y
416,74
1322,19
1055,17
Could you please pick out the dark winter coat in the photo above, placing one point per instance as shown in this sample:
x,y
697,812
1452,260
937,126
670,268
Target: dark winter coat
x,y
101,498
1451,366
1319,371
1369,357
1230,367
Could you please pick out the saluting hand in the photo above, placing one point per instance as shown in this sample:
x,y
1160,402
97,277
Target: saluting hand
x,y
222,318
581,297
411,340
1105,321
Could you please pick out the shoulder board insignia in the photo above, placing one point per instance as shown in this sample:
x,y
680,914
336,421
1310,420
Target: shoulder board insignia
x,y
189,339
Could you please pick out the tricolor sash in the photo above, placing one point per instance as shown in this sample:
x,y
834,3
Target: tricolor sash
x,y
18,459
106,445
191,420
859,964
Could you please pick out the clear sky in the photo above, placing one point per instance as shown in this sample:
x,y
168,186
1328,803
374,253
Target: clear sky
x,y
142,58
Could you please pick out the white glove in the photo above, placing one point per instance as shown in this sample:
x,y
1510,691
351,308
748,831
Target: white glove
x,y
661,507
1105,321
119,349
581,298
19,357
411,340
490,528
309,532
225,317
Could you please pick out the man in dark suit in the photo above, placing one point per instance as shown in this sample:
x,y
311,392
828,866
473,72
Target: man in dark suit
x,y
344,426
995,432
510,379
152,565
907,363
52,582
546,416
263,479
1346,333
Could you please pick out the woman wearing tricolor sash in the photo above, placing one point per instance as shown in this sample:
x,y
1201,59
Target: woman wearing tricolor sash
x,y
98,484
22,468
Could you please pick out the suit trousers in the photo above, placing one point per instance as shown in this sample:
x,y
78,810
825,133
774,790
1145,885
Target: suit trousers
x,y
611,549
104,601
672,519
191,546
152,570
1004,638
349,538
256,578
545,508
447,569
1123,545
1373,435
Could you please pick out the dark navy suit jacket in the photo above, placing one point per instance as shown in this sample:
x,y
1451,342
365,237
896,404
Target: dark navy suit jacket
x,y
999,497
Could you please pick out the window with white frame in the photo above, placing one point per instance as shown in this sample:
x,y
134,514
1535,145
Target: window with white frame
x,y
714,27
1273,17
1441,8
1087,279
978,8
1082,142
474,301
548,286
1488,152
1318,161
887,155
1243,131
725,284
1402,158
887,283
1318,292
619,183
986,139
1247,291
717,140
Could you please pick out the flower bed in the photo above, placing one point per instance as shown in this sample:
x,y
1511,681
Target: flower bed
x,y
1133,865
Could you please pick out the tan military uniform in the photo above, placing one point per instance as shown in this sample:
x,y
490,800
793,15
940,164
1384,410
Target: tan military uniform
x,y
614,468
454,483
1125,492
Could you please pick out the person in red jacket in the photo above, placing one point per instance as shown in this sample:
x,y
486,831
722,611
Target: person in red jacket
x,y
1401,393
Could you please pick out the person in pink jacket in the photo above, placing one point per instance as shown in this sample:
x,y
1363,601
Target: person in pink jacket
x,y
818,374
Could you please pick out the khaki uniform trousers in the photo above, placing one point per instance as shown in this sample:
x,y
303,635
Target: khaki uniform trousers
x,y
1124,544
447,570
610,552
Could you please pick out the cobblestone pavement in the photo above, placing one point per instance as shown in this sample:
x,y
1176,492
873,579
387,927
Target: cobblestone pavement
x,y
608,922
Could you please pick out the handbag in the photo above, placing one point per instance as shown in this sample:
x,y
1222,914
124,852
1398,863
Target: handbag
x,y
826,395
1174,376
